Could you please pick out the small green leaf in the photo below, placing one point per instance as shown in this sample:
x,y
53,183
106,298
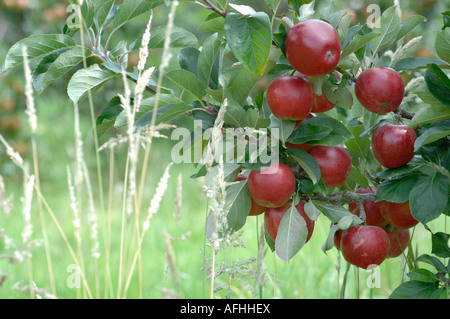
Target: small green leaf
x,y
438,84
87,79
428,197
442,45
357,42
188,81
250,39
389,29
413,63
179,38
307,162
409,25
285,127
164,114
423,275
338,96
239,197
440,244
429,114
291,235
432,134
213,23
131,9
207,59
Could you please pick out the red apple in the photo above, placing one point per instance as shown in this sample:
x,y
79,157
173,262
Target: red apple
x,y
313,47
255,208
374,216
398,214
334,163
290,97
365,245
303,147
393,145
379,89
272,219
337,238
399,239
273,186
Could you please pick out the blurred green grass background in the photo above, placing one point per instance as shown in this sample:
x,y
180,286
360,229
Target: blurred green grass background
x,y
310,274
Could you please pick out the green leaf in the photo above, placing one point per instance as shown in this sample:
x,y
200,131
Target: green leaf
x,y
285,127
187,81
438,84
440,244
250,39
254,120
413,63
291,235
214,22
316,131
434,133
397,189
433,261
423,275
38,45
87,13
188,58
357,42
428,197
429,114
307,162
55,65
442,45
131,9
416,290
389,29
164,114
207,59
409,25
108,115
179,38
336,212
338,96
242,85
87,79
102,10
239,197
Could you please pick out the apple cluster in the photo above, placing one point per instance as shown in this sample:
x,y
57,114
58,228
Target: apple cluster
x,y
385,233
313,49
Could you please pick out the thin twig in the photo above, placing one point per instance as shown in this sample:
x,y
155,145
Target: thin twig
x,y
215,9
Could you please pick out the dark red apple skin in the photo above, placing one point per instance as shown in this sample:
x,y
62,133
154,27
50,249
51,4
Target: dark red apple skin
x,y
321,104
398,214
273,216
303,147
380,89
255,208
334,163
393,144
273,186
313,47
374,216
399,239
365,245
290,97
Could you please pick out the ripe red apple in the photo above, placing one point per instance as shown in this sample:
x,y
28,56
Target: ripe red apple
x,y
393,144
273,186
379,89
398,214
272,219
365,245
374,216
303,147
255,209
337,238
334,163
290,97
399,239
313,47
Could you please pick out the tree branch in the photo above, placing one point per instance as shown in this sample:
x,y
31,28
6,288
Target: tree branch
x,y
345,197
405,114
215,9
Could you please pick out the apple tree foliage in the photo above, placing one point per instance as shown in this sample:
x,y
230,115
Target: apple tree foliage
x,y
244,46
